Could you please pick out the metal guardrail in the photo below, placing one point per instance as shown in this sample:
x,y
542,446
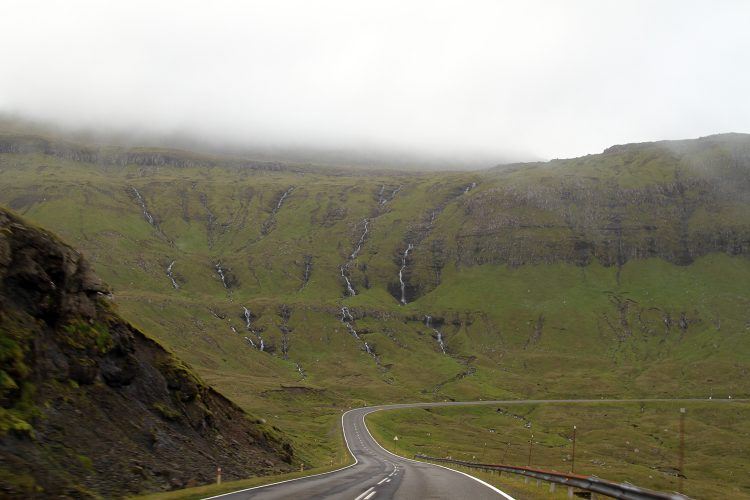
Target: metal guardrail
x,y
625,491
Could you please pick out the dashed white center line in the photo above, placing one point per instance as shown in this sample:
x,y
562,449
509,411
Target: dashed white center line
x,y
368,497
383,480
363,495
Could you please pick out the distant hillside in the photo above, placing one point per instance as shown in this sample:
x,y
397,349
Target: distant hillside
x,y
90,406
300,291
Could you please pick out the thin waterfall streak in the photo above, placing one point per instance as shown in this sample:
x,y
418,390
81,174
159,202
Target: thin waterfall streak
x,y
349,288
221,275
401,273
281,200
142,202
170,275
438,333
248,317
361,242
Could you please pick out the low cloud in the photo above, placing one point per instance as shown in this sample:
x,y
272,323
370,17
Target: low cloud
x,y
484,81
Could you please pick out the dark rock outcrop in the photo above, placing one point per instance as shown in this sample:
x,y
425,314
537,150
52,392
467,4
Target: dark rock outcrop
x,y
90,406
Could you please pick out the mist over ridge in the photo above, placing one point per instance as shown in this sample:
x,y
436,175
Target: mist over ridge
x,y
425,83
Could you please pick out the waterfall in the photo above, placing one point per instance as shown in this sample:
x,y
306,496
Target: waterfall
x,y
233,328
361,241
428,324
470,187
171,276
371,352
300,370
248,325
352,331
382,199
346,315
440,340
221,275
347,318
345,267
349,288
401,273
248,317
281,200
142,202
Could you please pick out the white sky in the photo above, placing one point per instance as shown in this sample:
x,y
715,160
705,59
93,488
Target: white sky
x,y
521,79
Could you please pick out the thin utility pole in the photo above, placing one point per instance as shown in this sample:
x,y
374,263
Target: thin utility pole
x,y
682,452
531,443
573,461
502,462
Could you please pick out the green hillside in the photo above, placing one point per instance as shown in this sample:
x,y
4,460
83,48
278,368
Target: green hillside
x,y
619,274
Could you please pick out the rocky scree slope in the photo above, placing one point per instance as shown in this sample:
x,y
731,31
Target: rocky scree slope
x,y
90,406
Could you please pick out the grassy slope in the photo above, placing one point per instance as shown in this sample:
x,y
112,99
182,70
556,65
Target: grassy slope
x,y
589,345
623,442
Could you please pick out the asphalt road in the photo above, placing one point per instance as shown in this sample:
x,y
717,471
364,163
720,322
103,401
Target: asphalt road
x,y
379,474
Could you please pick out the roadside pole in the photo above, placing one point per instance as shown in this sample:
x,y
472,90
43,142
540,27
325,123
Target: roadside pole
x,y
573,458
531,443
500,473
682,452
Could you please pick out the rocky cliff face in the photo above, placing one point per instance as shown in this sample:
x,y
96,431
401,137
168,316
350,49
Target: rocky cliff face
x,y
89,405
676,200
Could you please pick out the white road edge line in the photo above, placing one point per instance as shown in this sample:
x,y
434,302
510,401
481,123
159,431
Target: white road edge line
x,y
500,492
368,497
346,441
382,481
365,493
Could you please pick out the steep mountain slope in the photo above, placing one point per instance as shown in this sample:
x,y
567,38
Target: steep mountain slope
x,y
89,405
303,290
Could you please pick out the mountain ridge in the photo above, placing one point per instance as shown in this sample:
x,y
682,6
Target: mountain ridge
x,y
605,275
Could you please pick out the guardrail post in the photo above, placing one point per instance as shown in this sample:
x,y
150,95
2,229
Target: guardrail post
x,y
570,492
551,487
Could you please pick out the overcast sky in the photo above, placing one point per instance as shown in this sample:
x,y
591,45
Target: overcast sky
x,y
518,80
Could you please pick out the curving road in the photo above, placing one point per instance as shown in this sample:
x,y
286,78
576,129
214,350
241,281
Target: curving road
x,y
379,474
